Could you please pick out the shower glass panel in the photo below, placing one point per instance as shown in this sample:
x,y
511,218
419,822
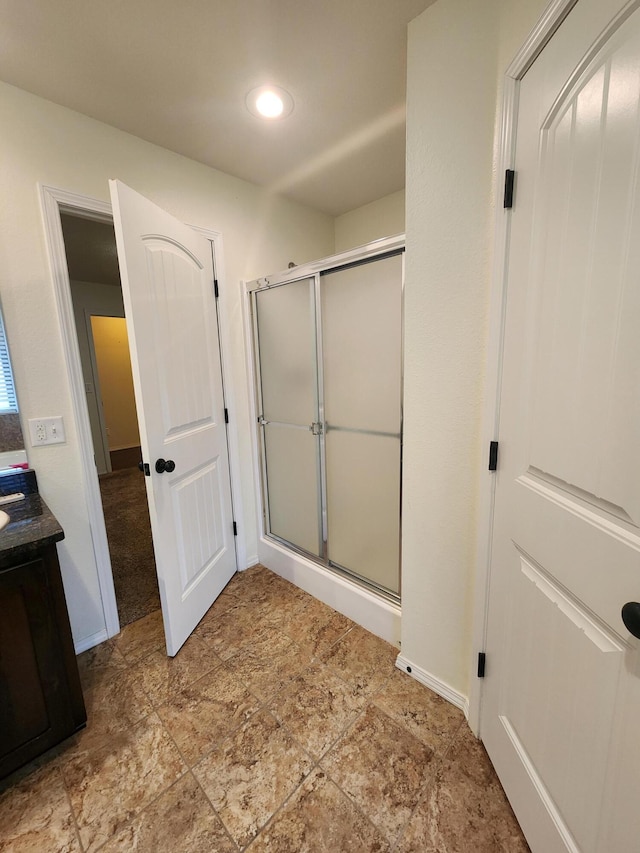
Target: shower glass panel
x,y
292,474
363,500
288,377
362,366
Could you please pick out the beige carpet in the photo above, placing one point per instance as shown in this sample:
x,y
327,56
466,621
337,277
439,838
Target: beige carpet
x,y
126,514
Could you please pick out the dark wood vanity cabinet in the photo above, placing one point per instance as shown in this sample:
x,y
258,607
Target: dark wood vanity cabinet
x,y
41,699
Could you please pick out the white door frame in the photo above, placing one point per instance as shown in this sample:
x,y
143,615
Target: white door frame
x,y
55,201
553,16
95,378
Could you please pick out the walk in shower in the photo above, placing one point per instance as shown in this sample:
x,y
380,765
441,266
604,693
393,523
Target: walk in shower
x,y
328,364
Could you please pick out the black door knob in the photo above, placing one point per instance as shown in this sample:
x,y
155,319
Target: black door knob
x,y
165,465
631,617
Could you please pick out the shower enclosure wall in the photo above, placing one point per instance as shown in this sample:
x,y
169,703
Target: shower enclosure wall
x,y
328,363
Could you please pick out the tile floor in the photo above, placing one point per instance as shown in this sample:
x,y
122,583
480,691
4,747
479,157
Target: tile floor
x,y
280,727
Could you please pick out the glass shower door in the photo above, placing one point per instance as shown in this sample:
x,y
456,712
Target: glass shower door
x,y
362,371
288,380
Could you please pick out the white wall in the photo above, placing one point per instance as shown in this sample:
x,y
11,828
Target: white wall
x,y
42,142
381,218
458,52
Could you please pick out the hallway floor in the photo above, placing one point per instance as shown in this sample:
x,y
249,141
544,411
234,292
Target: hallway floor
x,y
280,727
126,516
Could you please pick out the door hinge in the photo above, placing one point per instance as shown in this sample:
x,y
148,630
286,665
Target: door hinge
x,y
481,664
226,416
493,455
216,292
235,529
509,181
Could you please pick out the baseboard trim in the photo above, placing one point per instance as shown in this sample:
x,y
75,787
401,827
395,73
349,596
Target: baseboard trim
x,y
440,687
251,561
377,615
92,640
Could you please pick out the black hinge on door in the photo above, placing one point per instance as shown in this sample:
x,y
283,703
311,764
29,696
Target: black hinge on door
x,y
509,180
481,664
226,416
493,455
235,529
216,292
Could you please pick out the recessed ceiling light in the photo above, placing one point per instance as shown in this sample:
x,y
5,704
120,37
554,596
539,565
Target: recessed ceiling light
x,y
270,102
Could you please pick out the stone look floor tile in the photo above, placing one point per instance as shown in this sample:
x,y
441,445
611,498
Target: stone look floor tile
x,y
319,818
382,767
257,584
280,609
251,773
223,602
316,627
316,706
268,663
139,639
115,702
111,784
162,677
180,821
128,788
207,711
362,659
264,603
428,716
96,662
463,807
35,815
234,630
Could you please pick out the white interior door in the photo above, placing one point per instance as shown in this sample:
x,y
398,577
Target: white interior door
x,y
561,708
168,289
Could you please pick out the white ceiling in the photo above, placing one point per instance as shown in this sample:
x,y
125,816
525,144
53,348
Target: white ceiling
x,y
176,72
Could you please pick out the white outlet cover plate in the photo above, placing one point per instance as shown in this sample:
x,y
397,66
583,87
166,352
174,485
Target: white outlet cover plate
x,y
46,431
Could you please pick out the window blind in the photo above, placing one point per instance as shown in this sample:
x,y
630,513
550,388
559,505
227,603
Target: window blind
x,y
8,399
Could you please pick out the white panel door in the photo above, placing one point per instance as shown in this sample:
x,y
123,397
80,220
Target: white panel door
x,y
561,709
168,288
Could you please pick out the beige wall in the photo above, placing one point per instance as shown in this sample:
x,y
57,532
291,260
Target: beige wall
x,y
113,360
90,298
458,52
42,142
381,218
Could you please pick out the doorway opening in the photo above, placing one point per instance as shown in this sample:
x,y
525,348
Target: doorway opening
x,y
96,295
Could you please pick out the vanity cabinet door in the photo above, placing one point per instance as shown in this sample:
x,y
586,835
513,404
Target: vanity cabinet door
x,y
40,698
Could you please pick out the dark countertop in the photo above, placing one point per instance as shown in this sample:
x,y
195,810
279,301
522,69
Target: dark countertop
x,y
32,527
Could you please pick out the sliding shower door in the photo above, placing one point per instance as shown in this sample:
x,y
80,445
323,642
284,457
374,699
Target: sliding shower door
x,y
362,354
286,338
329,376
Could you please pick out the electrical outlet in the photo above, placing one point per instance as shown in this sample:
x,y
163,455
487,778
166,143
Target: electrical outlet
x,y
46,431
